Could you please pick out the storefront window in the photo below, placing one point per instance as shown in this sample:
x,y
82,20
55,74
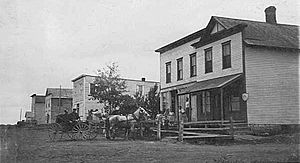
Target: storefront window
x,y
235,103
207,101
164,101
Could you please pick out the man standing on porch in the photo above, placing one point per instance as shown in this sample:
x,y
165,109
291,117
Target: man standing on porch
x,y
187,109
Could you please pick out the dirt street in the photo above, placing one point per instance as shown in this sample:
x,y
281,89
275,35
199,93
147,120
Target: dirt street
x,y
29,145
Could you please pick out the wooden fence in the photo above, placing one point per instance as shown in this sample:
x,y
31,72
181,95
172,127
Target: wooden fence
x,y
190,130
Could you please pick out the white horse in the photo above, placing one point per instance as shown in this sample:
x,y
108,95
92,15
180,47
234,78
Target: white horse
x,y
128,122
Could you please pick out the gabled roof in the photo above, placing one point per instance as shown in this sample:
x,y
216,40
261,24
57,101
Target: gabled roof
x,y
38,98
209,38
261,33
181,41
57,92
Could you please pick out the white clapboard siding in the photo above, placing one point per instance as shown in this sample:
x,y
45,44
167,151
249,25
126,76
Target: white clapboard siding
x,y
184,52
272,81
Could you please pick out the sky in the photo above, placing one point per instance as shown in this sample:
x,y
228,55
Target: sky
x,y
47,43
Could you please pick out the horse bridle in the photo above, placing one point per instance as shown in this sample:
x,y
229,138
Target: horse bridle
x,y
134,117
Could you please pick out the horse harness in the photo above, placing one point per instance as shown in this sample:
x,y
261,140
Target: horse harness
x,y
134,118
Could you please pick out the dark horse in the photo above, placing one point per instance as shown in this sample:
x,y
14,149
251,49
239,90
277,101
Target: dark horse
x,y
128,122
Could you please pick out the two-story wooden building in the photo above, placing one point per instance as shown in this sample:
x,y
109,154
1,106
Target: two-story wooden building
x,y
57,100
38,108
245,69
84,85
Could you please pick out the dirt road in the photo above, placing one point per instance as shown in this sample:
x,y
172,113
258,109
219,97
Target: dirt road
x,y
27,145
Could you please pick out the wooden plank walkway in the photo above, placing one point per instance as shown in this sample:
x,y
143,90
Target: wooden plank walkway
x,y
193,135
201,136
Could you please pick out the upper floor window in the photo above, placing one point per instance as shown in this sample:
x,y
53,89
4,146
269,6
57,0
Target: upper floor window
x,y
139,89
226,53
208,60
168,72
193,67
92,88
179,69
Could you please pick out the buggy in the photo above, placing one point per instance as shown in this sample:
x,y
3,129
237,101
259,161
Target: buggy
x,y
73,128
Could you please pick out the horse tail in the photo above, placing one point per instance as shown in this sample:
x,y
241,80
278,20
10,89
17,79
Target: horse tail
x,y
107,128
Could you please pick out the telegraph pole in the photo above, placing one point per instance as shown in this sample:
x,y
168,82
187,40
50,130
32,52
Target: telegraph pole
x,y
59,100
21,114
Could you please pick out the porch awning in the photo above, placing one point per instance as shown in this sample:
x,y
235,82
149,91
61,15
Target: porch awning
x,y
209,84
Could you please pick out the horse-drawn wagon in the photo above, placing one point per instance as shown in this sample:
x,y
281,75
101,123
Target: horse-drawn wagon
x,y
70,125
129,125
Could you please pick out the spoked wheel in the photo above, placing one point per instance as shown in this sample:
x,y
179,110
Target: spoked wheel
x,y
93,132
80,131
53,131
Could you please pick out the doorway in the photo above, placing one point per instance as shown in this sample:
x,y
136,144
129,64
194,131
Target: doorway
x,y
194,108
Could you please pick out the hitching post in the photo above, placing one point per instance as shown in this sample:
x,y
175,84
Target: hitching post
x,y
231,128
159,128
180,136
141,129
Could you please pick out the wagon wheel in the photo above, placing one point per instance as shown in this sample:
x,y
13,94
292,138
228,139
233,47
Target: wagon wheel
x,y
112,133
93,131
53,131
80,131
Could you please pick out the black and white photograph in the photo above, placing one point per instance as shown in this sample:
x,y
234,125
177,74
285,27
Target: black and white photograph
x,y
149,81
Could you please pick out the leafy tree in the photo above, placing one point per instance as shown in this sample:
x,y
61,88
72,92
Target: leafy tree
x,y
140,100
152,101
128,104
109,87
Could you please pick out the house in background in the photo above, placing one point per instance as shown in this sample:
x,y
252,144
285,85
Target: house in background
x,y
248,70
29,116
56,101
84,84
38,108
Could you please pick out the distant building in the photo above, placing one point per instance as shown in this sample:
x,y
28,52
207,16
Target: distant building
x,y
245,69
56,101
29,116
38,108
83,85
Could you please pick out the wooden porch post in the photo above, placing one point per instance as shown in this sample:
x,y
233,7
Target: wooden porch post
x,y
222,108
180,132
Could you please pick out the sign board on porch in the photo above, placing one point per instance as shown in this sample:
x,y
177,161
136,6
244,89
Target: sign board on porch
x,y
245,96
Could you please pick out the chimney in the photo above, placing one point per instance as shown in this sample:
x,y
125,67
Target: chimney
x,y
143,79
271,15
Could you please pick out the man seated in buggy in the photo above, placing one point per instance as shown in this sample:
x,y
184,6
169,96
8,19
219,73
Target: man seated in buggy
x,y
62,118
73,117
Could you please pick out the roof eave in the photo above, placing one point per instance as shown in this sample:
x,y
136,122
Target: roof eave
x,y
181,41
79,77
270,46
219,35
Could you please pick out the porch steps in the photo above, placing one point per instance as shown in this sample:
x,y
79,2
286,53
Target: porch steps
x,y
176,132
194,135
201,136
